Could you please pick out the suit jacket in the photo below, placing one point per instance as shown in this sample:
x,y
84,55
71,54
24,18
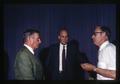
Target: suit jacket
x,y
27,67
71,65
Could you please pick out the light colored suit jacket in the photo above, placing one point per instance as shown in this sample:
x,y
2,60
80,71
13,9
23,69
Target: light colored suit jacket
x,y
27,67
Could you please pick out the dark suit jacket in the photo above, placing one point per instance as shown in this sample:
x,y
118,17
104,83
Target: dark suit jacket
x,y
72,63
27,67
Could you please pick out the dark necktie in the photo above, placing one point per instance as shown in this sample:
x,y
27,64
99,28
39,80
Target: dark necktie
x,y
63,58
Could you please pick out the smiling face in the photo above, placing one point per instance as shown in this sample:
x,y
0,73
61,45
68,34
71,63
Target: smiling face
x,y
63,37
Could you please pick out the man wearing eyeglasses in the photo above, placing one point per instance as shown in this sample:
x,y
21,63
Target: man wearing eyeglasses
x,y
106,66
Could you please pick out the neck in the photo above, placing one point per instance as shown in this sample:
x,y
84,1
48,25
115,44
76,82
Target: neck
x,y
29,45
102,42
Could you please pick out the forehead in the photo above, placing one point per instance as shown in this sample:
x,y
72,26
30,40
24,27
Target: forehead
x,y
35,35
63,32
98,29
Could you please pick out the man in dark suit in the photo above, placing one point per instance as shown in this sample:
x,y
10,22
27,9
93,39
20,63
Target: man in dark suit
x,y
59,68
27,67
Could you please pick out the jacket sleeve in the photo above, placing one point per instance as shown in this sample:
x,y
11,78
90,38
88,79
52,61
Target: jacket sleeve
x,y
23,67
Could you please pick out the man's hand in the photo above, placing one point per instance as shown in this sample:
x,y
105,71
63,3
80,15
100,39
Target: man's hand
x,y
88,67
104,72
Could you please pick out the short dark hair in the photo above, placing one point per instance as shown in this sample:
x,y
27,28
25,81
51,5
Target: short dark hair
x,y
62,29
28,33
106,30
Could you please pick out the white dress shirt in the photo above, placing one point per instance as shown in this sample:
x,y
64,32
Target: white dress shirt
x,y
106,58
29,48
60,55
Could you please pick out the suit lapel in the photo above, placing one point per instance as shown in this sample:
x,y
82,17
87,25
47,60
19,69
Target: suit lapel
x,y
57,55
68,51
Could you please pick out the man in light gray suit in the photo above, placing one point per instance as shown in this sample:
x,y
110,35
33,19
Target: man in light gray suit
x,y
27,67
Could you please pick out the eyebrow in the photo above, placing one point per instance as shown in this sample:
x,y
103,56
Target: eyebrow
x,y
98,32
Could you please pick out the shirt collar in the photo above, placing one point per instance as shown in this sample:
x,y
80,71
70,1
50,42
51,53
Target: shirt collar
x,y
29,48
103,45
63,45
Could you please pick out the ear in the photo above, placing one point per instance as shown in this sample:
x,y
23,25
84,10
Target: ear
x,y
28,39
58,37
31,40
106,36
104,33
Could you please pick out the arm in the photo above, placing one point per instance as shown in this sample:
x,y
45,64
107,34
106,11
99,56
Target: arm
x,y
104,72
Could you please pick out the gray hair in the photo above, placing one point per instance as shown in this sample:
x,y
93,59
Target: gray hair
x,y
28,33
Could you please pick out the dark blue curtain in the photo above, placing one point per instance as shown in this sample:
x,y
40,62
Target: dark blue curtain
x,y
80,19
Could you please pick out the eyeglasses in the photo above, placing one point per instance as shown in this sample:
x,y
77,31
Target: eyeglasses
x,y
95,33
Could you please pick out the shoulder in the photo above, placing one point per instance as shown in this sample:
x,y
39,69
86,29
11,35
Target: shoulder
x,y
22,54
110,47
23,50
109,50
72,46
54,45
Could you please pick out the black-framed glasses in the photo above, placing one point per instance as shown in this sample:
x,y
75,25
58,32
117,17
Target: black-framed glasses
x,y
95,33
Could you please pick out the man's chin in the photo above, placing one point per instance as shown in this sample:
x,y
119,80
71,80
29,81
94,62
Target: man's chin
x,y
64,43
